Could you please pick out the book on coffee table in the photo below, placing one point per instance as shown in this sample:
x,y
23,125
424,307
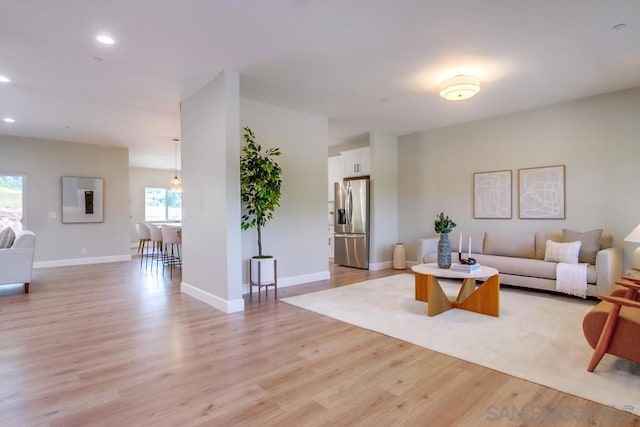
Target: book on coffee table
x,y
465,267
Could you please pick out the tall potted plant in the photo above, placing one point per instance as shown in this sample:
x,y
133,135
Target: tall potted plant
x,y
443,226
260,182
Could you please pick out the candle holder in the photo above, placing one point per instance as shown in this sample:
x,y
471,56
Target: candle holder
x,y
468,261
465,261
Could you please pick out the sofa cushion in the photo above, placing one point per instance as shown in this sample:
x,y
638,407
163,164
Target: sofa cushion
x,y
7,236
526,267
521,245
477,241
590,243
541,242
562,252
519,266
606,242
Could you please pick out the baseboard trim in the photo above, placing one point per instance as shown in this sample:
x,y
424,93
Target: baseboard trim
x,y
303,278
226,306
388,264
284,282
375,266
81,261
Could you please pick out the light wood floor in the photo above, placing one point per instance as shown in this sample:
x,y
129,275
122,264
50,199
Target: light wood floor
x,y
114,345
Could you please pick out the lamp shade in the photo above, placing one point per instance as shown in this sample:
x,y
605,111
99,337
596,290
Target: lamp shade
x,y
634,236
459,87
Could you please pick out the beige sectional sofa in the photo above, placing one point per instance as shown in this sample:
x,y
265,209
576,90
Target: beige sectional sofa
x,y
519,257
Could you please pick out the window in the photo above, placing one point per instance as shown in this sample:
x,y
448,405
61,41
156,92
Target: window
x,y
161,204
11,201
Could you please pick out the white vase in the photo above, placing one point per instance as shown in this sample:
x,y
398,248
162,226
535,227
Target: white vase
x,y
399,257
263,271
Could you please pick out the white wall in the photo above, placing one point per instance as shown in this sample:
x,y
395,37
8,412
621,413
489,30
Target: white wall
x,y
353,143
297,235
139,178
384,197
211,194
597,138
44,163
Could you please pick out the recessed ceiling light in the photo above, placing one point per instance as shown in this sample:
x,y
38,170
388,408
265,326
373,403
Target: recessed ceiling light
x,y
105,39
4,79
8,120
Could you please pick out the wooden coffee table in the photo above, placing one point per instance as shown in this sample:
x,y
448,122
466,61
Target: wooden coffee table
x,y
484,299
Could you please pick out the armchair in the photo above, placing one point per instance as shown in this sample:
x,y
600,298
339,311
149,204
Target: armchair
x,y
613,326
620,287
16,262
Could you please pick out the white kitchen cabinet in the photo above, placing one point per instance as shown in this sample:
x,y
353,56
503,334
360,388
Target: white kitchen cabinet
x,y
335,174
355,162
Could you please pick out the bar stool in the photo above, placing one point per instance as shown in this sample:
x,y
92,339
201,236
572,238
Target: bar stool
x,y
144,240
156,239
171,240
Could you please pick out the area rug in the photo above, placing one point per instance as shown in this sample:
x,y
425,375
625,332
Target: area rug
x,y
538,337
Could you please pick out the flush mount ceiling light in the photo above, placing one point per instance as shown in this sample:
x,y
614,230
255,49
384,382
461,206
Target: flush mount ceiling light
x,y
105,39
4,79
8,120
459,87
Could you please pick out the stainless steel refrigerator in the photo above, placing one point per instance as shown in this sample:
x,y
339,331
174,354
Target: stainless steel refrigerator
x,y
351,239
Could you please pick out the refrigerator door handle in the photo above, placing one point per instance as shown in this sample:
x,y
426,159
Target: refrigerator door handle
x,y
350,206
350,236
347,204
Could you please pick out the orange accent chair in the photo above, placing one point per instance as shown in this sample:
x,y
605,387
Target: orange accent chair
x,y
613,326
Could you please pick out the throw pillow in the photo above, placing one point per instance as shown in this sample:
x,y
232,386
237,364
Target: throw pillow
x,y
562,252
590,243
7,236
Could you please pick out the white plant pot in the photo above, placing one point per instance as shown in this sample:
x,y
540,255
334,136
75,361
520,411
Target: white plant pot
x,y
263,271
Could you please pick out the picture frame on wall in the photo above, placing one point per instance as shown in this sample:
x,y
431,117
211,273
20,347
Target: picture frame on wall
x,y
492,195
541,192
82,200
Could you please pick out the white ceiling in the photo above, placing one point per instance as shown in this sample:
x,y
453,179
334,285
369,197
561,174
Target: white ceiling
x,y
364,64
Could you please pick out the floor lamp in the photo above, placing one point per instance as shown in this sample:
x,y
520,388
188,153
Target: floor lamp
x,y
634,237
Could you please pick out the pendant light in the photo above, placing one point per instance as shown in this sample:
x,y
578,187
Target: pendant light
x,y
175,182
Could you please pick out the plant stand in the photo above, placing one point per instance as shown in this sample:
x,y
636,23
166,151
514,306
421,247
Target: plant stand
x,y
263,272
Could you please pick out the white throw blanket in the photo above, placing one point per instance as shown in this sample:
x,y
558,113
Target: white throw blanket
x,y
572,279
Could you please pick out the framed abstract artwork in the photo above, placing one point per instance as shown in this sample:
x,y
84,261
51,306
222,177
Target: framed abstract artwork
x,y
492,194
541,192
82,200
